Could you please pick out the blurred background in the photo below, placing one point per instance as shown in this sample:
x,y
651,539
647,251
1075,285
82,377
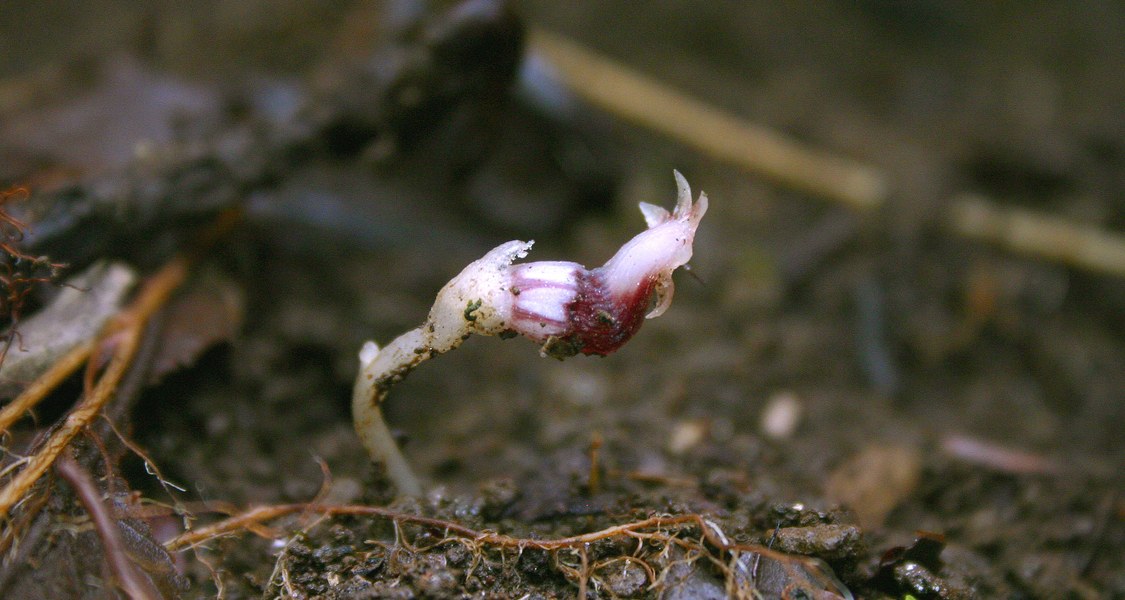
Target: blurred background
x,y
915,316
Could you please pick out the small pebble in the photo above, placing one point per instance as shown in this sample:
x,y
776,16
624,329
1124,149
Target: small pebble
x,y
686,435
627,580
830,542
781,416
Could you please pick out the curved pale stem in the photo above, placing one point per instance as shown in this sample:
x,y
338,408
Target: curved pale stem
x,y
379,370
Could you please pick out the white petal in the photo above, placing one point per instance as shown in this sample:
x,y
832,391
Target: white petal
x,y
683,195
546,272
545,303
654,215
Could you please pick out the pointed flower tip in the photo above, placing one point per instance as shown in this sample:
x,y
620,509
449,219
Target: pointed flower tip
x,y
685,209
654,215
609,303
683,195
568,308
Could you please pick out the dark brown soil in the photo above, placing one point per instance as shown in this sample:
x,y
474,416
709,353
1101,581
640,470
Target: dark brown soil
x,y
958,408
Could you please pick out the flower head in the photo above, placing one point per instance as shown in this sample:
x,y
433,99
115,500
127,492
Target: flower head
x,y
564,306
571,309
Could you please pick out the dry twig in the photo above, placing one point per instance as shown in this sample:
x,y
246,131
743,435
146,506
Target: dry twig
x,y
136,585
1039,234
43,385
717,133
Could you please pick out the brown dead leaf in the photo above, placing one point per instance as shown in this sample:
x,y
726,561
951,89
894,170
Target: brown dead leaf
x,y
874,481
209,313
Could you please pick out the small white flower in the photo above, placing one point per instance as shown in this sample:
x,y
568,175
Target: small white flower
x,y
564,306
541,294
570,309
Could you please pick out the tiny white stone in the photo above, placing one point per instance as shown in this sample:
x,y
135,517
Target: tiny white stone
x,y
781,416
687,435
